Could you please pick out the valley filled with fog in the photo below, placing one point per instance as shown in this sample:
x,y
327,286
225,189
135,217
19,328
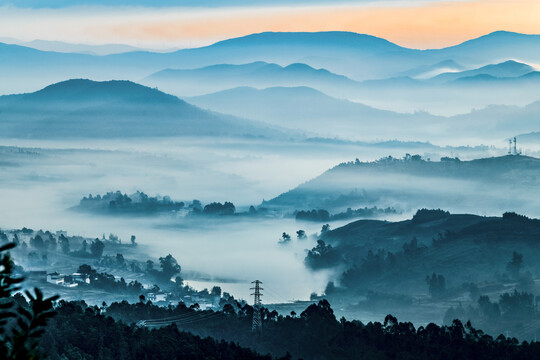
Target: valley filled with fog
x,y
331,166
44,180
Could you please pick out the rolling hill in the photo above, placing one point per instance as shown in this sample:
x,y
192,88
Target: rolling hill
x,y
356,56
412,182
507,69
192,82
429,71
85,108
311,110
494,47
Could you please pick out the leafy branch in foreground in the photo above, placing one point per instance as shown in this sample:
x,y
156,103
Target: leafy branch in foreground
x,y
21,324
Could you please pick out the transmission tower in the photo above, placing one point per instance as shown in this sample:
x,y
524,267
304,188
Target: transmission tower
x,y
257,322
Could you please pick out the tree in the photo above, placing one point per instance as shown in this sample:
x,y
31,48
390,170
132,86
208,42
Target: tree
x,y
96,248
322,256
325,228
216,291
514,266
133,243
51,242
517,304
21,324
86,269
169,267
120,261
437,285
488,309
37,243
301,234
217,208
285,238
64,244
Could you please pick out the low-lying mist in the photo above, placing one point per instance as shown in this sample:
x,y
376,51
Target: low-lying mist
x,y
42,180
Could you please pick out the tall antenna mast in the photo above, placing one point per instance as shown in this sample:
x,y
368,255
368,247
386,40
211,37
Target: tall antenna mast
x,y
257,322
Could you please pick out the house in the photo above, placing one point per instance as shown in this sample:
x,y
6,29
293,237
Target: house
x,y
156,297
55,278
62,280
80,278
205,306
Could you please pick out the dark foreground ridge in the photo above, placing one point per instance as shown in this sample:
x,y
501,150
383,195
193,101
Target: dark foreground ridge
x,y
79,331
73,330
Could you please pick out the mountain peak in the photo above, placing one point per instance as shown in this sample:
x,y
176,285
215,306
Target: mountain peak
x,y
85,89
500,33
334,38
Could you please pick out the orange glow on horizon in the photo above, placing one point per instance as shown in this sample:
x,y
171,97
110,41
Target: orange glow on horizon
x,y
427,26
431,24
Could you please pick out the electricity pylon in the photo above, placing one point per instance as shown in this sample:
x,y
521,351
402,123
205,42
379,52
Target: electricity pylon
x,y
257,322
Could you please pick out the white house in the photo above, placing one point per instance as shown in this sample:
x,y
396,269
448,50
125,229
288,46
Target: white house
x,y
80,278
55,278
156,297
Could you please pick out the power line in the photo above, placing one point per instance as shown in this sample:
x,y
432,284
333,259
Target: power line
x,y
179,320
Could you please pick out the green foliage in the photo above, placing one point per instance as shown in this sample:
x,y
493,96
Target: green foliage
x,y
169,267
21,324
285,238
317,334
96,248
437,285
64,244
322,256
217,208
514,266
8,283
313,215
81,332
116,202
108,282
512,216
37,243
508,314
427,215
322,215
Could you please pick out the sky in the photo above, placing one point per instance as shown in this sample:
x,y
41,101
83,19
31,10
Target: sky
x,y
164,24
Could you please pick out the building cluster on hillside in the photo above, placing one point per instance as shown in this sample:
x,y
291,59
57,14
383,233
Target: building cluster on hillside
x,y
72,280
203,300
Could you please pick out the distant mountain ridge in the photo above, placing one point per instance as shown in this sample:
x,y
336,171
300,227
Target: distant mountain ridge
x,y
200,81
429,71
306,108
506,69
357,56
63,47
